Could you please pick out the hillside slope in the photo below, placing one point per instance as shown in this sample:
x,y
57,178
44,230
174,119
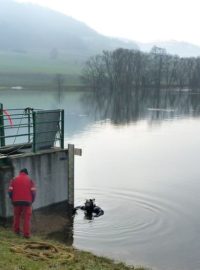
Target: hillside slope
x,y
28,27
36,43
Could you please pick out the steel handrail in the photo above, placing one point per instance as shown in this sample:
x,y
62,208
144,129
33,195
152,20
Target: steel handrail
x,y
13,136
26,118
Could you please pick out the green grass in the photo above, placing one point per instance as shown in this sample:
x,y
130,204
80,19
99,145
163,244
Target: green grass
x,y
40,62
82,260
37,68
32,81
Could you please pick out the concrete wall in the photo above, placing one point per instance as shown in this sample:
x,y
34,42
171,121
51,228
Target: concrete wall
x,y
49,169
6,173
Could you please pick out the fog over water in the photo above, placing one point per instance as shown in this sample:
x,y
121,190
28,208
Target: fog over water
x,y
142,168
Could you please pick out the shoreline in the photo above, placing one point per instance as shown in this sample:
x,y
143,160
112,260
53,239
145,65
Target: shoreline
x,y
79,260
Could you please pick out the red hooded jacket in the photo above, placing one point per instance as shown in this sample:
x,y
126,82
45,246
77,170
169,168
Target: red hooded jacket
x,y
22,190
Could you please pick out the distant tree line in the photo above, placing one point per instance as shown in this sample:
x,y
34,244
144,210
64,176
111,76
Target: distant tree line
x,y
125,69
125,83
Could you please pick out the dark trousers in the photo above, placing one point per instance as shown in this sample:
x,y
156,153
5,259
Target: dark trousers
x,y
25,212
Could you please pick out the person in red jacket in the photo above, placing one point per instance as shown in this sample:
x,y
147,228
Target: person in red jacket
x,y
22,192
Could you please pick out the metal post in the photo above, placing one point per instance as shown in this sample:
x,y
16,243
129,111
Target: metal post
x,y
29,124
2,133
34,132
62,135
71,175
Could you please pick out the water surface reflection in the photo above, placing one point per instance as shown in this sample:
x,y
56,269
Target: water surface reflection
x,y
151,104
140,162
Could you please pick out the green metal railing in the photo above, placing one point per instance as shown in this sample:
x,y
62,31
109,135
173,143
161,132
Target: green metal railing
x,y
2,134
48,128
24,124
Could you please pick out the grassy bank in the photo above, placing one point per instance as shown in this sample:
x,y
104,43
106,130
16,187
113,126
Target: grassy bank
x,y
39,61
37,68
35,80
78,260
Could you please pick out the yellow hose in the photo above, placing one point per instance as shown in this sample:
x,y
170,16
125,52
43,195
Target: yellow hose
x,y
44,251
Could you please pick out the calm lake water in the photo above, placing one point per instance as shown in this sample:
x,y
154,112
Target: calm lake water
x,y
143,169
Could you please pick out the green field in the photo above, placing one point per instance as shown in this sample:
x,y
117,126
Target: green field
x,y
38,61
38,68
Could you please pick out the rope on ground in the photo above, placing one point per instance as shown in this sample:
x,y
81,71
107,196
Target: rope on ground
x,y
44,251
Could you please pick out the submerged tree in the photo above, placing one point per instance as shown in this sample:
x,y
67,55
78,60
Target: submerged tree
x,y
121,80
130,69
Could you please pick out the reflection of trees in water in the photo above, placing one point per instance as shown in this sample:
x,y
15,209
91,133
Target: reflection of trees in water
x,y
127,85
154,105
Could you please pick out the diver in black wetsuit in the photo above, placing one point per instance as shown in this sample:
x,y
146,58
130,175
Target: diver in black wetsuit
x,y
90,209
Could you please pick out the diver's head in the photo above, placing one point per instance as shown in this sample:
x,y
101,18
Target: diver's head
x,y
89,206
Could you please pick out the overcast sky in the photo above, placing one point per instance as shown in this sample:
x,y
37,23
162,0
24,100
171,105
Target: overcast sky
x,y
139,20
